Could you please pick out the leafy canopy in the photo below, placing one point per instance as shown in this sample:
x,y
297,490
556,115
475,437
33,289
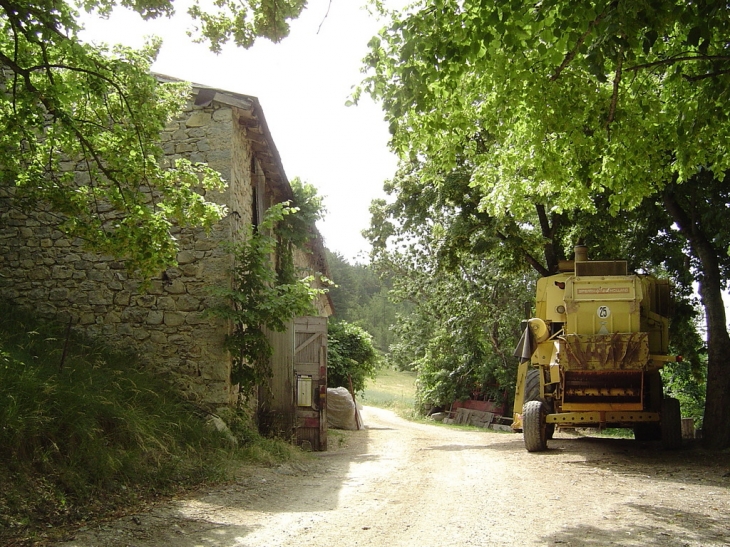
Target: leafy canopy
x,y
557,100
80,123
460,287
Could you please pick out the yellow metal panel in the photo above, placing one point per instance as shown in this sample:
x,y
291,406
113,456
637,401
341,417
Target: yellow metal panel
x,y
602,406
550,294
574,418
520,391
625,416
603,305
545,353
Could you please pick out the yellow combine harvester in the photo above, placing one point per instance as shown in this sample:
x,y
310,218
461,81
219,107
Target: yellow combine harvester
x,y
591,356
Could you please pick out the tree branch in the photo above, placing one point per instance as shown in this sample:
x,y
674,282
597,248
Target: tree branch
x,y
674,60
705,76
531,260
548,232
616,85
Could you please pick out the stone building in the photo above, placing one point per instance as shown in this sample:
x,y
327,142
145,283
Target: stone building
x,y
42,269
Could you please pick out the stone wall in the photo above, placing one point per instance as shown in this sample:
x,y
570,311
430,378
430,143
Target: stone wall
x,y
42,269
164,324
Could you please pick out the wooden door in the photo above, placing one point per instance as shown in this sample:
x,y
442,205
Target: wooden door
x,y
276,414
310,381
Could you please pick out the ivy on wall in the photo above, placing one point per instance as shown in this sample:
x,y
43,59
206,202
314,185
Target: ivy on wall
x,y
267,289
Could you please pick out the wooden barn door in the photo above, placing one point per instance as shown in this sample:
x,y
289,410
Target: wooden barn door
x,y
310,381
276,415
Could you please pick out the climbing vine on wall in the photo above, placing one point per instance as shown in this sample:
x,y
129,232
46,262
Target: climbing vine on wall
x,y
265,294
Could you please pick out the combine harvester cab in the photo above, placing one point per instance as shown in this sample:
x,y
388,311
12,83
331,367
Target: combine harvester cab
x,y
591,356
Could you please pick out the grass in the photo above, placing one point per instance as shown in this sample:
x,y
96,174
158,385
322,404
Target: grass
x,y
86,435
394,390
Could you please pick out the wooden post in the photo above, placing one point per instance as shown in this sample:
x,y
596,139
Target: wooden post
x,y
357,421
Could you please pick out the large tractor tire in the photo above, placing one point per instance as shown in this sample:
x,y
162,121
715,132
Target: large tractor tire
x,y
534,414
653,395
655,391
532,385
671,424
532,393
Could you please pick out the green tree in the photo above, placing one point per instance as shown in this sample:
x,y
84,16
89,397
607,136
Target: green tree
x,y
570,107
464,288
68,107
350,355
345,292
361,297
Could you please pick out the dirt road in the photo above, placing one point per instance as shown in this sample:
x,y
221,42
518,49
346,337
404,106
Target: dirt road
x,y
403,484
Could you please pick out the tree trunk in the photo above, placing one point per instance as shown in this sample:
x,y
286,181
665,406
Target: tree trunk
x,y
716,425
548,234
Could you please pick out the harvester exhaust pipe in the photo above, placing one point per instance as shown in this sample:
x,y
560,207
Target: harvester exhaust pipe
x,y
581,253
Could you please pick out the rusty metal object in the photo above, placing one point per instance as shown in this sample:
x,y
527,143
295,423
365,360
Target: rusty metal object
x,y
602,390
618,351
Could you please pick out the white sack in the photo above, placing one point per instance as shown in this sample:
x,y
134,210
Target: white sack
x,y
341,410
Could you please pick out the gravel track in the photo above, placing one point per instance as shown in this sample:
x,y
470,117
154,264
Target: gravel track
x,y
399,483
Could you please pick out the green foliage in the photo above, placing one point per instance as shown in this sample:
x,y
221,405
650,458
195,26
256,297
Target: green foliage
x,y
297,230
568,108
682,381
99,425
262,296
464,287
243,22
80,124
686,380
461,332
350,356
361,297
554,100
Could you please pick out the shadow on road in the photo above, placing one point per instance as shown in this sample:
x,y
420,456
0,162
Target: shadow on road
x,y
213,518
696,529
689,465
456,447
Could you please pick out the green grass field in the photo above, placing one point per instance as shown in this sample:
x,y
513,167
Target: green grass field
x,y
392,389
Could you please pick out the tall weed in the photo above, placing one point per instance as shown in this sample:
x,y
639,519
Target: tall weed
x,y
95,431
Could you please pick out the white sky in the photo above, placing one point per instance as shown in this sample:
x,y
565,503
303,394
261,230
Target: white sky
x,y
302,84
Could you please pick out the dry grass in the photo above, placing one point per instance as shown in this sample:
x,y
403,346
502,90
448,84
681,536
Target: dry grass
x,y
394,390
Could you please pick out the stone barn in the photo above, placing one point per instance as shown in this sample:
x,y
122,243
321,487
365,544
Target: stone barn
x,y
42,269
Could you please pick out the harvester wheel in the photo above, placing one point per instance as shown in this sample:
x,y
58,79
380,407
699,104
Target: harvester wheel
x,y
532,393
655,386
532,385
671,424
534,414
